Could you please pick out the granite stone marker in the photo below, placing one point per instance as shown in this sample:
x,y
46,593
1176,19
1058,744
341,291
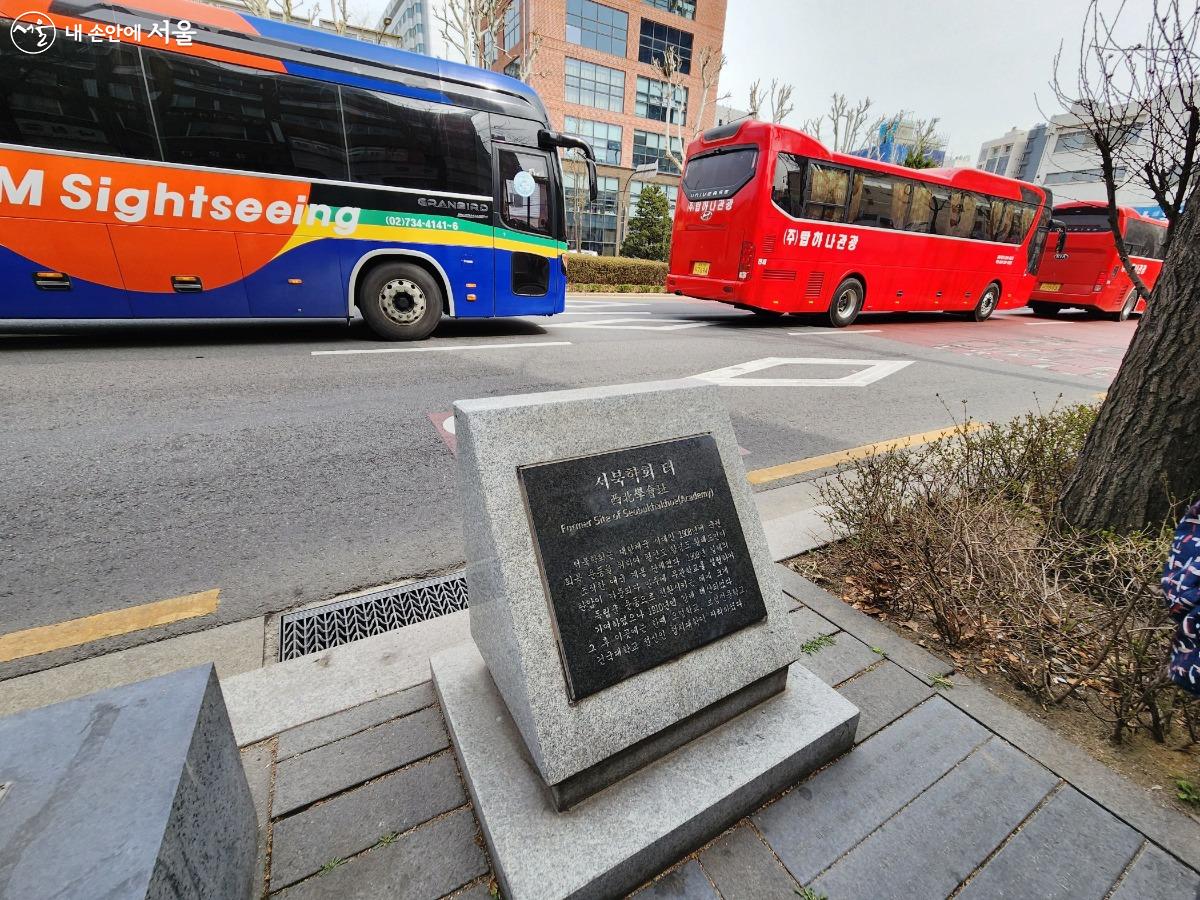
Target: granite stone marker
x,y
627,694
134,792
642,556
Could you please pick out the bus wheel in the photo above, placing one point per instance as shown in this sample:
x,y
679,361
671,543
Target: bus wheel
x,y
400,302
987,303
1048,310
1127,307
846,304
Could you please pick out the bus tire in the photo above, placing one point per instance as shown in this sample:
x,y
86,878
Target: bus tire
x,y
400,301
846,303
1127,307
987,304
1049,310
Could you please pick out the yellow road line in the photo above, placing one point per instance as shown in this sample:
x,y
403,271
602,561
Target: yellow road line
x,y
32,641
829,460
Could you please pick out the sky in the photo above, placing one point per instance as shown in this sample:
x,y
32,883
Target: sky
x,y
981,66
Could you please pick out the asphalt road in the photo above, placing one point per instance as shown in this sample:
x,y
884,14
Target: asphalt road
x,y
143,462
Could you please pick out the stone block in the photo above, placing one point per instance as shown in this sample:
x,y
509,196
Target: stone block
x,y
348,762
1069,848
744,868
132,792
935,842
808,625
883,695
432,861
511,619
619,838
820,819
351,822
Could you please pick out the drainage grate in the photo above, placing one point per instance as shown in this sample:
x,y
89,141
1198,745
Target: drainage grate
x,y
313,630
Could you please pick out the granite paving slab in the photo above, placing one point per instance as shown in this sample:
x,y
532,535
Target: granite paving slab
x,y
936,841
353,821
308,777
687,882
920,662
808,625
823,817
1156,874
424,864
359,718
744,868
840,660
883,695
1071,849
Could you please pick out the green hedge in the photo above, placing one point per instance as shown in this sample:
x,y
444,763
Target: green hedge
x,y
615,270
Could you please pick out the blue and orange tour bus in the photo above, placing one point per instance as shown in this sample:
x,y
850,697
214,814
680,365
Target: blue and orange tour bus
x,y
772,221
1085,271
168,159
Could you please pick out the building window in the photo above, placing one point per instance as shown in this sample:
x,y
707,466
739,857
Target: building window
x,y
685,8
512,24
655,40
1082,177
651,101
635,193
1073,142
489,49
591,85
599,27
650,147
604,139
513,69
591,225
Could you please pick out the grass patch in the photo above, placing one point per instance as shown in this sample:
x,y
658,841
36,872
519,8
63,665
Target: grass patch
x,y
820,642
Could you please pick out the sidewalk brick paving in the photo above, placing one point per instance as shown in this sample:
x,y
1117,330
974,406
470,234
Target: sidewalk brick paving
x,y
946,792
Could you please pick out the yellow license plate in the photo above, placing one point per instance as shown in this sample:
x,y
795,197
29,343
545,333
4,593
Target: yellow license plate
x,y
1050,287
700,268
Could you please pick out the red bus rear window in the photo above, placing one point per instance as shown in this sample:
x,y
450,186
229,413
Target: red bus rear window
x,y
720,174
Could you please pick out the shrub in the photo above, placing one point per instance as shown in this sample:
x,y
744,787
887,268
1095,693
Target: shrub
x,y
615,270
962,534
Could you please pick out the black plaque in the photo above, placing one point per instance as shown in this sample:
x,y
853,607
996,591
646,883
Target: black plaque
x,y
643,557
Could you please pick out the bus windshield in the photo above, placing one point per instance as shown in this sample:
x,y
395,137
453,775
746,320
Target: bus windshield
x,y
721,174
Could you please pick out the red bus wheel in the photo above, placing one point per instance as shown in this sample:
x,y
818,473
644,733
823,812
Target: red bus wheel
x,y
987,303
1044,309
1127,307
846,303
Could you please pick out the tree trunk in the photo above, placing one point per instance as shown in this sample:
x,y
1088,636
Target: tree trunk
x,y
1144,452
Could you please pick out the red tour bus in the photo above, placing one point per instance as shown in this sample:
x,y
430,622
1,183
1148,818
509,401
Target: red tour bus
x,y
1087,273
771,221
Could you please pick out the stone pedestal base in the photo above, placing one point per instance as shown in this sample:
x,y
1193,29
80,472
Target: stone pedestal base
x,y
631,830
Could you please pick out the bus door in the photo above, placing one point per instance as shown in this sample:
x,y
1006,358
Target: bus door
x,y
180,272
529,274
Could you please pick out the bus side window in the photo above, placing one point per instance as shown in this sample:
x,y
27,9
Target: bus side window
x,y
77,96
872,203
220,115
525,190
920,209
981,229
828,187
960,219
788,188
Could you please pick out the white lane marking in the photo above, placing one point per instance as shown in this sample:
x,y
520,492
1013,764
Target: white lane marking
x,y
511,346
868,372
624,324
840,331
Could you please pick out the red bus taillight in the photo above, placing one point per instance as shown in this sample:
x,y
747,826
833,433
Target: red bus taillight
x,y
746,260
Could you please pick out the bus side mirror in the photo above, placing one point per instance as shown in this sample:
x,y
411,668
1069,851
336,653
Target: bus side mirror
x,y
593,190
